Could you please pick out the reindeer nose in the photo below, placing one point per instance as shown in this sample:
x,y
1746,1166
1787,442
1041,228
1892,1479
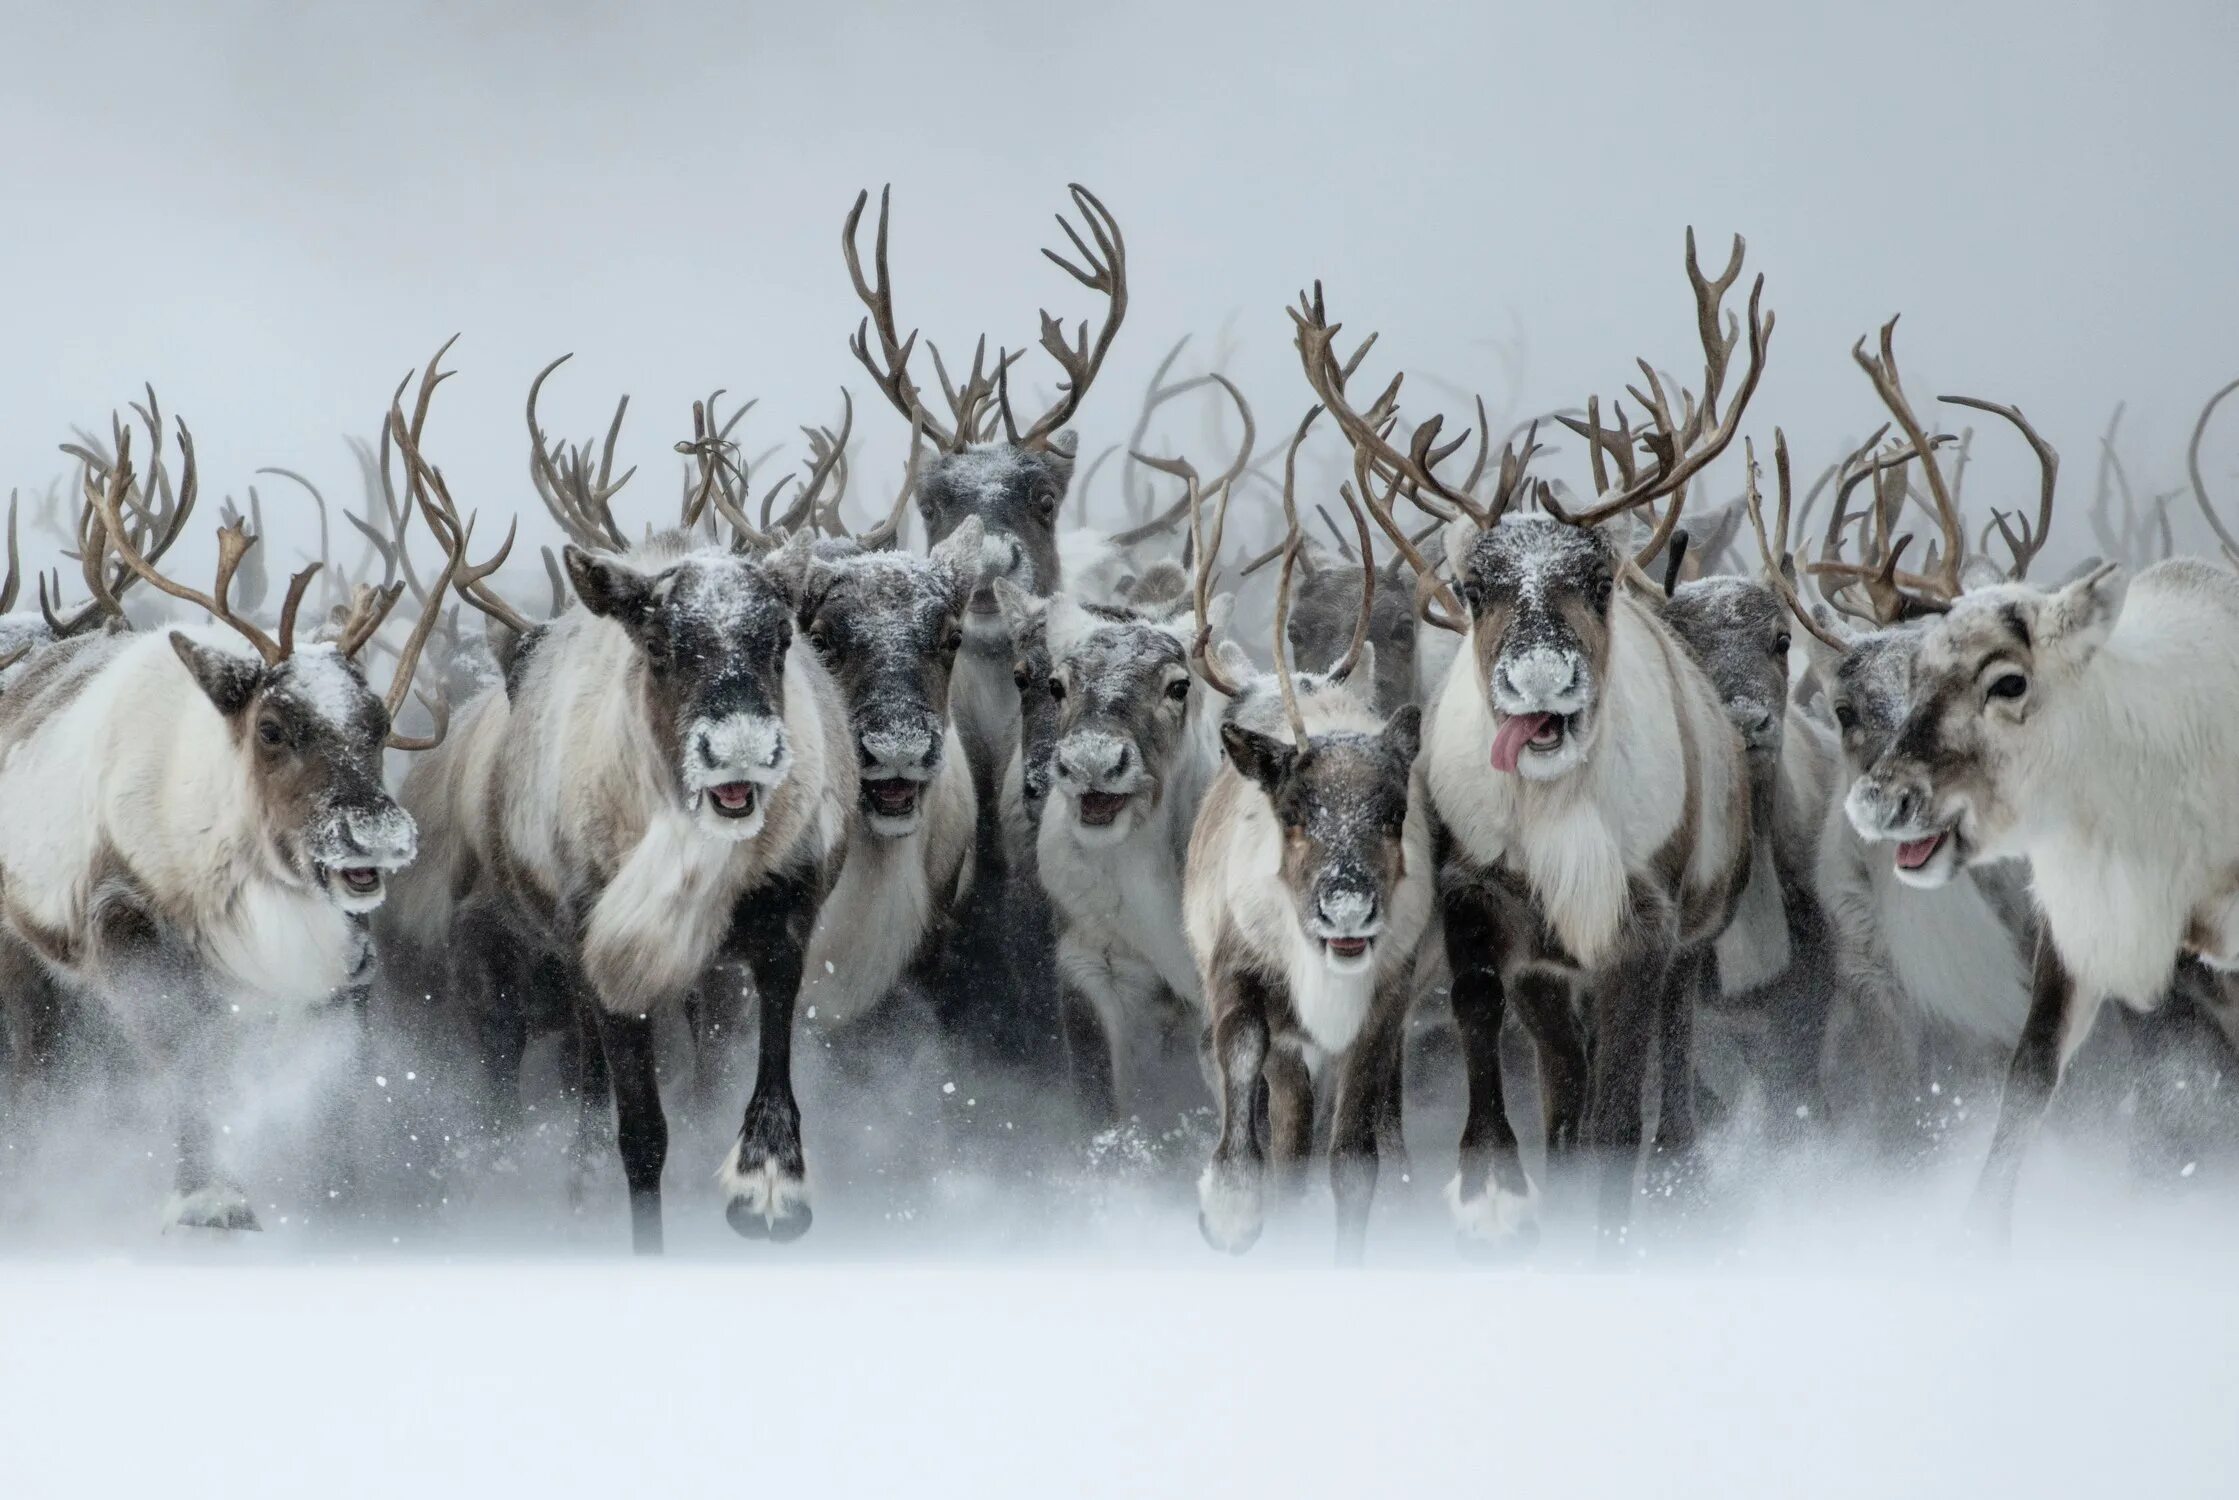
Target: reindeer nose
x,y
897,747
1347,909
1751,718
1539,674
1096,760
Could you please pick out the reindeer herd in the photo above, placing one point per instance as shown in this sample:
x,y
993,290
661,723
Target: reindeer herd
x,y
1522,750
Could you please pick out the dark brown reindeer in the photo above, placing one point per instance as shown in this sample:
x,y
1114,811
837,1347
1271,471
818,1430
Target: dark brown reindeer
x,y
1591,803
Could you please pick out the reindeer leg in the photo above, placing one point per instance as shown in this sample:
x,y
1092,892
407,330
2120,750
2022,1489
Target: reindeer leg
x,y
583,1068
1088,1052
1289,1092
765,1176
1627,1004
491,971
1494,1203
1364,1082
641,1129
1230,1209
2059,1020
1676,1128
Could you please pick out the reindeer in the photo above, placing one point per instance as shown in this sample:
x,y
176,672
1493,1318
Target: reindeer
x,y
1775,960
1307,893
2020,698
1606,852
235,834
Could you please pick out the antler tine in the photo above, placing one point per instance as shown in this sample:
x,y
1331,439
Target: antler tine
x,y
1351,659
2032,539
1104,270
1336,533
1681,445
887,531
557,579
1205,554
11,586
826,452
1889,386
878,297
2200,485
1428,584
1780,563
563,481
1294,540
233,542
1221,484
1367,431
432,495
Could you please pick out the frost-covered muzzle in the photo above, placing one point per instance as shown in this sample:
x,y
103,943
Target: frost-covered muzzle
x,y
1002,558
1756,722
351,852
1345,920
1099,777
1895,806
897,764
731,765
1543,702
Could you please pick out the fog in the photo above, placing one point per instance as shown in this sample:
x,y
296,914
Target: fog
x,y
272,215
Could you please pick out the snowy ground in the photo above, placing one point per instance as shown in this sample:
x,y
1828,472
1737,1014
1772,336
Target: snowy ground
x,y
984,1309
500,1377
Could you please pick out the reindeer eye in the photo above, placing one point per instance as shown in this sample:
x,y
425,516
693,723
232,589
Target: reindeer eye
x,y
2010,685
1177,691
1846,717
1781,644
1057,690
1045,501
269,732
953,641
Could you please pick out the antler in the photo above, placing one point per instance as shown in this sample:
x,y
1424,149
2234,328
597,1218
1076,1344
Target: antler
x,y
1206,552
1294,540
2199,485
432,496
1882,371
1780,562
885,533
2031,539
14,581
1682,443
1228,476
1104,272
579,497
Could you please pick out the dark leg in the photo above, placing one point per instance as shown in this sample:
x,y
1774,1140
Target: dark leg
x,y
584,1072
1229,1204
1290,1115
492,975
1543,1000
766,1175
1675,1054
1088,1052
1627,1008
2057,1023
1363,1082
641,1129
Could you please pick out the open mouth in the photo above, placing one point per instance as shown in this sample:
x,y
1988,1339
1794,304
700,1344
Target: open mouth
x,y
734,799
1914,854
1346,947
1542,734
357,880
893,797
1098,809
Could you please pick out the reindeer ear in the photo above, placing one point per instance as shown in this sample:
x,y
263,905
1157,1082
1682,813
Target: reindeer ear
x,y
2080,616
611,589
1236,663
1460,538
1824,658
1364,670
1402,733
1263,758
1979,573
962,556
1218,611
229,681
801,574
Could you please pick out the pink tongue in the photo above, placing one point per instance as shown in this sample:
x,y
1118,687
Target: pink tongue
x,y
1914,853
1509,740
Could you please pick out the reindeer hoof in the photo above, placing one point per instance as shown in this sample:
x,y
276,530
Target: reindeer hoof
x,y
1229,1210
767,1201
1498,1224
215,1207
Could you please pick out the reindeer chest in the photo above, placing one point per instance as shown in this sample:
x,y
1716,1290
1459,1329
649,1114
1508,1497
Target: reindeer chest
x,y
1126,902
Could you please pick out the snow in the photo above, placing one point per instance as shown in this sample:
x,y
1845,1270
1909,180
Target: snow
x,y
464,1377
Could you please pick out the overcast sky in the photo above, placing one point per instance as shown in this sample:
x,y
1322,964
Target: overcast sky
x,y
272,212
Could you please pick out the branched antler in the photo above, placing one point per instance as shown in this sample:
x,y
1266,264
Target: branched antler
x,y
579,496
1780,562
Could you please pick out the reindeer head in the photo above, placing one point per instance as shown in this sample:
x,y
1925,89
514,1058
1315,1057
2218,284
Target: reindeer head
x,y
1325,613
1013,494
309,734
1123,694
888,626
1988,677
1341,803
713,630
1539,594
1738,629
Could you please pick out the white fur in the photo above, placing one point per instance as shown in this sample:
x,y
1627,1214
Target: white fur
x,y
1231,1205
1580,837
1496,1217
766,1190
141,763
